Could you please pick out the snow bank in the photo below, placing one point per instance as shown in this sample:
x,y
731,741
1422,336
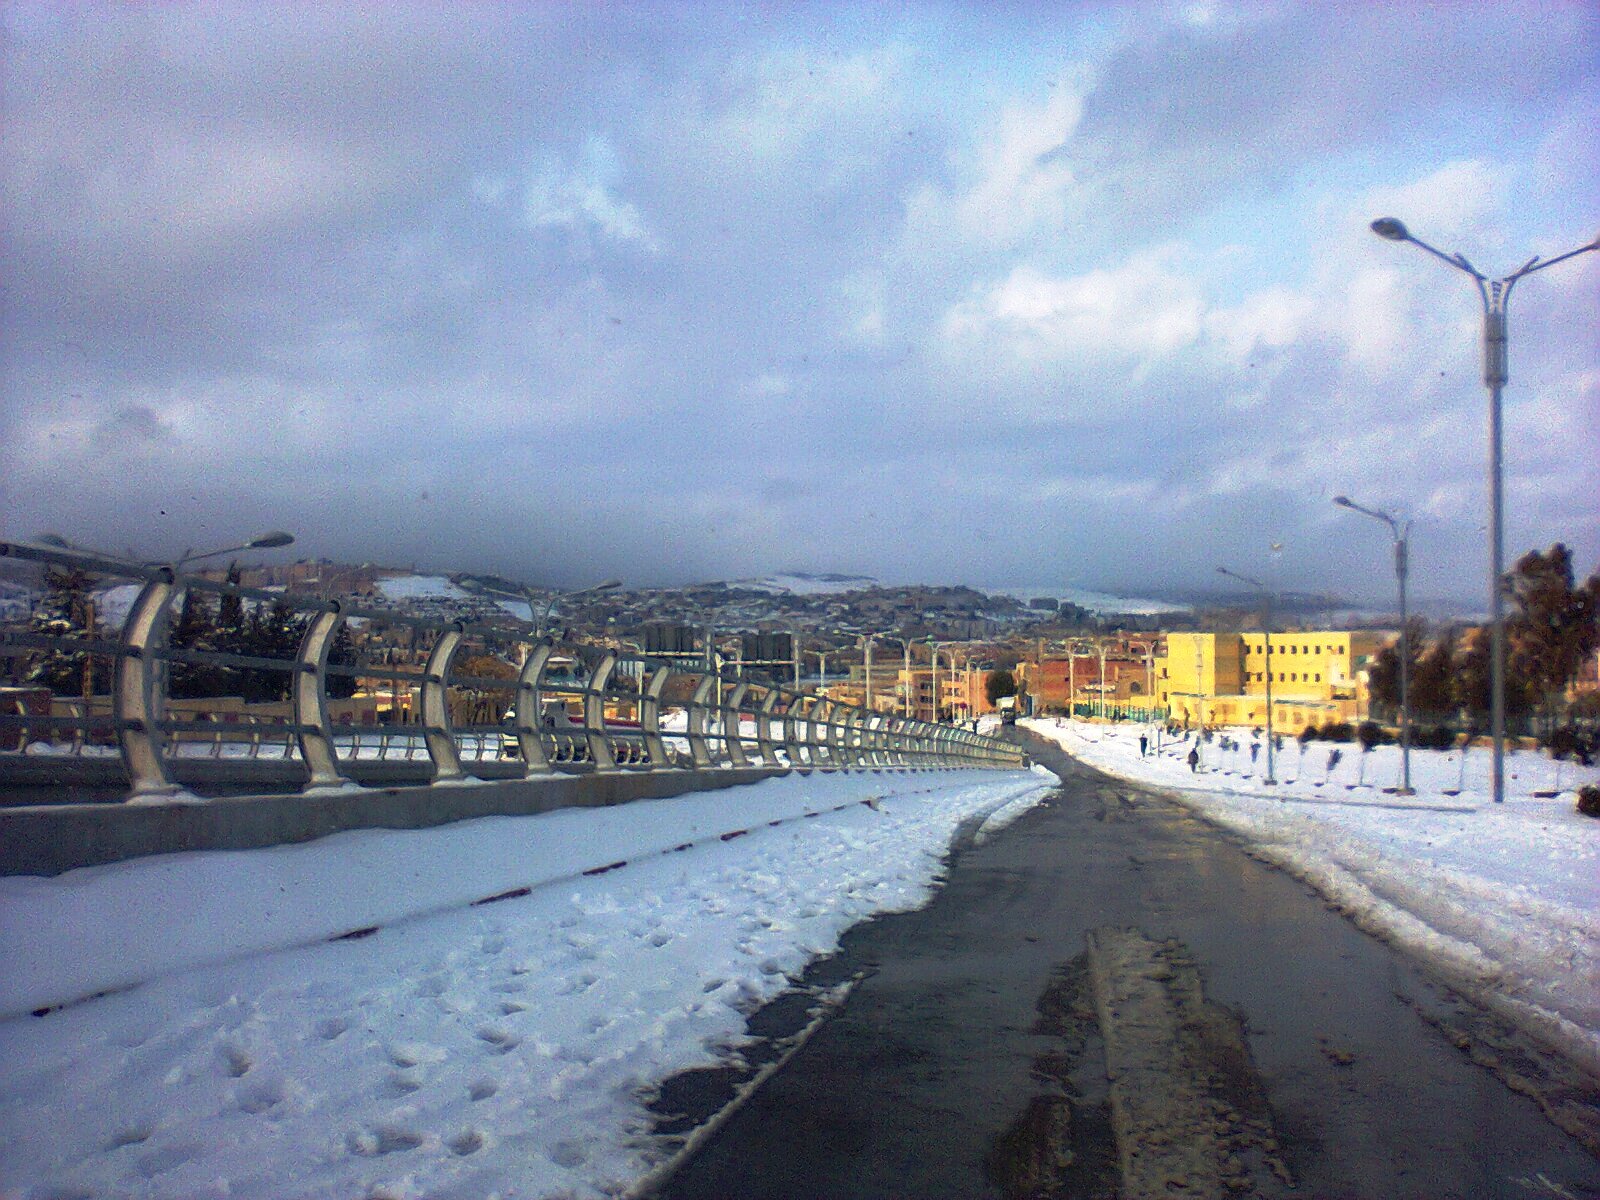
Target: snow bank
x,y
1503,901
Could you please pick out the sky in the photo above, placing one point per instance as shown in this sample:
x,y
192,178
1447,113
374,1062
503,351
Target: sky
x,y
1038,294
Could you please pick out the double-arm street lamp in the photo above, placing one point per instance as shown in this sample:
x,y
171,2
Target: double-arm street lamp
x,y
265,541
1495,295
1401,531
530,596
1266,637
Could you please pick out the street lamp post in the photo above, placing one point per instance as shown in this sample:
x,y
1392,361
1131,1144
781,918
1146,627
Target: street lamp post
x,y
265,541
933,657
1401,532
609,585
1266,637
1495,295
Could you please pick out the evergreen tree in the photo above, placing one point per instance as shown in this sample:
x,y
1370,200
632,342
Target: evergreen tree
x,y
1553,628
195,629
230,610
272,631
999,683
67,611
1383,676
1471,686
1434,675
342,654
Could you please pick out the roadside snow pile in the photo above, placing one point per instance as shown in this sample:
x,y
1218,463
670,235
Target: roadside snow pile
x,y
450,1049
1503,901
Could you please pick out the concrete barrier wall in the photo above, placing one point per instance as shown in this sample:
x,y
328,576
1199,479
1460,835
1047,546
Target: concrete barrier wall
x,y
50,839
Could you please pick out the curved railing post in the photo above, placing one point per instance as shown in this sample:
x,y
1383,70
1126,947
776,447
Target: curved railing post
x,y
898,752
764,723
833,736
437,731
853,718
699,752
139,693
793,747
732,709
525,714
313,729
819,734
655,746
872,739
594,714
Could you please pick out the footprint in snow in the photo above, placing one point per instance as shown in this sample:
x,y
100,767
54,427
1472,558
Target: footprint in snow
x,y
235,1061
385,1139
482,1089
159,1162
468,1141
260,1096
433,985
400,1083
331,1028
410,1054
131,1135
498,1041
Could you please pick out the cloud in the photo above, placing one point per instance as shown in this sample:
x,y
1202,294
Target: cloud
x,y
1141,310
946,293
583,195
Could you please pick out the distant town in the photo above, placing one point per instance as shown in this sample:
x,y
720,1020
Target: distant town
x,y
950,653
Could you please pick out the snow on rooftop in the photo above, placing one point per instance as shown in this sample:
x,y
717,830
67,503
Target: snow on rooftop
x,y
456,1050
1503,900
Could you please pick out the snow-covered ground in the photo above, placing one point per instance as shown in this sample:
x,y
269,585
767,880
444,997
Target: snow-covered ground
x,y
1502,900
450,1049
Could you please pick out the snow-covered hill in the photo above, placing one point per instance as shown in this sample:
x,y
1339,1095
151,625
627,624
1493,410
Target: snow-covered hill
x,y
800,584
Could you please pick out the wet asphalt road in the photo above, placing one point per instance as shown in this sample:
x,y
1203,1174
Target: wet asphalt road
x,y
931,1065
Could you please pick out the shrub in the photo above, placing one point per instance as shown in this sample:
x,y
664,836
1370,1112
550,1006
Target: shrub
x,y
1369,734
1589,800
1338,731
1308,734
1440,737
1562,742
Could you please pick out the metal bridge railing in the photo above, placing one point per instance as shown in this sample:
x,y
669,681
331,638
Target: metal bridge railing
x,y
412,702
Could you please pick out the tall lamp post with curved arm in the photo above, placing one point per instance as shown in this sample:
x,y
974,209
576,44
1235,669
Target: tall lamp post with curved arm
x,y
1495,295
1401,532
1266,637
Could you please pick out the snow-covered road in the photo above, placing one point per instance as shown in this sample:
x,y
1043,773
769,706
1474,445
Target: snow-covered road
x,y
459,1049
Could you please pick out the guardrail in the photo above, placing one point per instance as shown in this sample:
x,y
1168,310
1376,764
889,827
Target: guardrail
x,y
420,716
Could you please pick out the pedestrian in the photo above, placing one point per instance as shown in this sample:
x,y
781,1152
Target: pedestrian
x,y
1194,759
1143,743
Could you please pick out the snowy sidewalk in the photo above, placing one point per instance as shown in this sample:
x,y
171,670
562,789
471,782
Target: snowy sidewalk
x,y
458,1050
1503,901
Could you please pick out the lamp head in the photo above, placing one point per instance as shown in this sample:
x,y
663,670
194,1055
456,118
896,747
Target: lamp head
x,y
270,541
1391,229
1343,501
54,540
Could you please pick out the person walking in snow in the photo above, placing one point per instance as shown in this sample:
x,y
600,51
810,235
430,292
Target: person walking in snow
x,y
1144,741
1194,759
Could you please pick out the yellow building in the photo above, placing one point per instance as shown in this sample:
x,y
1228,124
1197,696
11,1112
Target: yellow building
x,y
1221,678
